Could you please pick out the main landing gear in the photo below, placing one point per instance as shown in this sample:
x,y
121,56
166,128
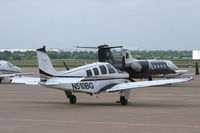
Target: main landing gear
x,y
1,80
123,100
71,97
124,97
150,78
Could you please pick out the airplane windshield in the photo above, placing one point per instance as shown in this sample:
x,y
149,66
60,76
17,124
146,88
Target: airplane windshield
x,y
103,69
110,68
171,65
9,64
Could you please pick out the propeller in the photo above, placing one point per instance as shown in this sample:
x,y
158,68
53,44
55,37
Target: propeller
x,y
66,66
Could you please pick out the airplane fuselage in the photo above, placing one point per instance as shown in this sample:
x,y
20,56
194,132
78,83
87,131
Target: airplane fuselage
x,y
146,68
97,77
6,68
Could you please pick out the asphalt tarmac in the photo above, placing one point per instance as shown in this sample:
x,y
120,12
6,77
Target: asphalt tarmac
x,y
164,109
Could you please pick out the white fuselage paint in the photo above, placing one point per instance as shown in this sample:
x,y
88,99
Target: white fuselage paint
x,y
90,84
8,68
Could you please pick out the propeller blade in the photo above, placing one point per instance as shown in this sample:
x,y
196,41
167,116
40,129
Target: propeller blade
x,y
66,66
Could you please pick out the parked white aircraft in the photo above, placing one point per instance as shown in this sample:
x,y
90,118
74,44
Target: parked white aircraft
x,y
8,70
92,79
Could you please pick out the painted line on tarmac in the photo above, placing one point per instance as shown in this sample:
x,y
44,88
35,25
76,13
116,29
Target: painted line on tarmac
x,y
103,123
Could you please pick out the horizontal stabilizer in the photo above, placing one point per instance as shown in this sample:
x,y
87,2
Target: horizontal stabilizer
x,y
132,85
26,80
100,47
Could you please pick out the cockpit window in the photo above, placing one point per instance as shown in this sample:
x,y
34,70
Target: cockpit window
x,y
103,69
10,65
96,71
171,65
89,73
110,68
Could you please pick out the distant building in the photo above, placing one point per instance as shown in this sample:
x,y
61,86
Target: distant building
x,y
196,54
16,49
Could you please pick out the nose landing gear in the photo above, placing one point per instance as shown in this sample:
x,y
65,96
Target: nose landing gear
x,y
72,98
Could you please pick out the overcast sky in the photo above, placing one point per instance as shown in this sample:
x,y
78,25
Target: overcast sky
x,y
143,24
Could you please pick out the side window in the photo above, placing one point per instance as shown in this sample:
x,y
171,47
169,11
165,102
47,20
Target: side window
x,y
103,69
152,67
110,69
89,73
161,66
96,71
157,66
164,65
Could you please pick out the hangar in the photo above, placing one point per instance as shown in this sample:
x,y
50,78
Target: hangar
x,y
196,54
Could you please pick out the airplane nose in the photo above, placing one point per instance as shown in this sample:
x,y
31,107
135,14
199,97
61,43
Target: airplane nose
x,y
19,69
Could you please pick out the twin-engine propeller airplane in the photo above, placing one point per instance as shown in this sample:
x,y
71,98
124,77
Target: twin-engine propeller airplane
x,y
138,68
8,70
92,79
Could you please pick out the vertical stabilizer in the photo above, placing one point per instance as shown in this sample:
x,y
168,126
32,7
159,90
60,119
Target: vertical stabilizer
x,y
45,66
126,53
105,54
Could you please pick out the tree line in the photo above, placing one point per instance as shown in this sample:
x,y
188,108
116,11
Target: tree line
x,y
144,54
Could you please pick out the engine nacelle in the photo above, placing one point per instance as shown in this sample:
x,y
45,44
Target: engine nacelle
x,y
136,67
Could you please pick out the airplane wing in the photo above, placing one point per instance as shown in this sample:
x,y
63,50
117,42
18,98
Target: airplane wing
x,y
181,71
56,81
25,80
132,85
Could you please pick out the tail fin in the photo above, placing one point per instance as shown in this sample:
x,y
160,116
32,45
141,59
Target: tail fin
x,y
45,66
126,53
105,54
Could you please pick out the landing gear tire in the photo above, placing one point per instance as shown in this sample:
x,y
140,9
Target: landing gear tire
x,y
123,100
72,99
0,81
150,78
